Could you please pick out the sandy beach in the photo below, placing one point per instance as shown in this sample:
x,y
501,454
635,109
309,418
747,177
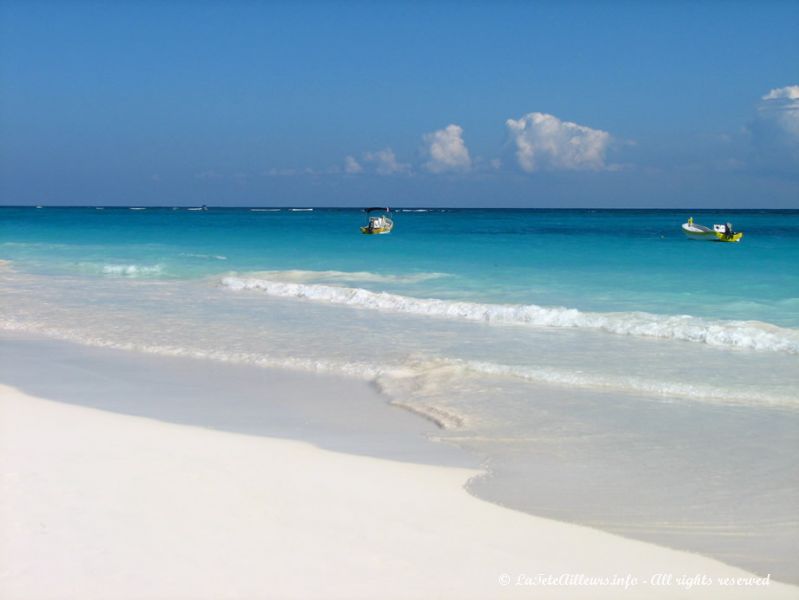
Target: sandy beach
x,y
399,300
103,497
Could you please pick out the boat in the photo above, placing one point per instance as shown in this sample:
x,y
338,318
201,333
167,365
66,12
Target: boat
x,y
378,224
719,233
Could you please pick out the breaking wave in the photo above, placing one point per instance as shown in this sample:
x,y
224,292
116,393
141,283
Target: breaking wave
x,y
751,335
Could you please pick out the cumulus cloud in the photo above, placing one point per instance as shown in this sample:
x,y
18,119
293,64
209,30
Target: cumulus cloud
x,y
789,92
352,166
447,150
771,138
781,105
386,163
545,142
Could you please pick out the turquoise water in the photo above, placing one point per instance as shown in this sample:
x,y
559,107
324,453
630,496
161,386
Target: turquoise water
x,y
589,260
578,352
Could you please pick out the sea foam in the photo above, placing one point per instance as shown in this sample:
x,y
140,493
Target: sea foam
x,y
751,335
415,382
132,270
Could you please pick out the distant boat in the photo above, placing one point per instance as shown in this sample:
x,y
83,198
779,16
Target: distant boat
x,y
719,233
39,206
378,225
137,208
203,207
300,209
265,209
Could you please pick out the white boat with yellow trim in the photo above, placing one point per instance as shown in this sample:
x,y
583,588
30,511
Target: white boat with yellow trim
x,y
378,224
719,233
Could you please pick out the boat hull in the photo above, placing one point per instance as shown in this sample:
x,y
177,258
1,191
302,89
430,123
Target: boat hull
x,y
375,231
735,237
709,235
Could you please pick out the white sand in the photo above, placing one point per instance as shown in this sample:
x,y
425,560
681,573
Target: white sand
x,y
101,505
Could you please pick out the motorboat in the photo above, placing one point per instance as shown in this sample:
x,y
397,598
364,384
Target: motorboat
x,y
378,224
719,233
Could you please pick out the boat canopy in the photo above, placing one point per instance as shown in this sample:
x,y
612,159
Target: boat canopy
x,y
373,208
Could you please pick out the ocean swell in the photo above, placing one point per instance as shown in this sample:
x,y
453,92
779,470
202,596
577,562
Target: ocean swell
x,y
750,335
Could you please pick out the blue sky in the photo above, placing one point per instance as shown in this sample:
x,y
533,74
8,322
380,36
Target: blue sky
x,y
611,104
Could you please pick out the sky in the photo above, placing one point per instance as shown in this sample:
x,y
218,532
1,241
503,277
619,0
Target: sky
x,y
490,104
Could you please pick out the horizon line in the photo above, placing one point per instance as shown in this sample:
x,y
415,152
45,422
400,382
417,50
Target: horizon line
x,y
417,207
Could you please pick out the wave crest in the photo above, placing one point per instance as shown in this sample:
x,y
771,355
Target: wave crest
x,y
751,335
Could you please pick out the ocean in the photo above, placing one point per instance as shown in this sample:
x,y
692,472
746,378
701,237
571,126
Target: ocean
x,y
607,370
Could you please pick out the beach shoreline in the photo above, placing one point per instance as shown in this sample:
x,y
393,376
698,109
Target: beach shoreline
x,y
279,499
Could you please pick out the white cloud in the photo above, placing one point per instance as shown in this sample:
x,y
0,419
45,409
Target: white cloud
x,y
447,150
386,162
789,92
352,166
782,106
545,142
